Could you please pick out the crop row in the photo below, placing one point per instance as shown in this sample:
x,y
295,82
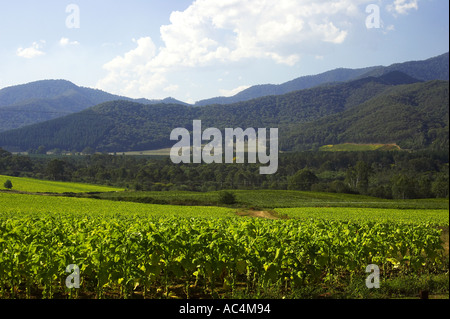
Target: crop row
x,y
32,205
130,254
438,217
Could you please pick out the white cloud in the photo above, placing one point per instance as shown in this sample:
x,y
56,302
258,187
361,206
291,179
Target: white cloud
x,y
233,91
402,6
171,88
33,51
217,33
65,42
131,71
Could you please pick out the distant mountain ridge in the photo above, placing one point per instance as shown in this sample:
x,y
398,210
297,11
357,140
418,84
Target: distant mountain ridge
x,y
41,101
44,100
304,82
392,108
436,68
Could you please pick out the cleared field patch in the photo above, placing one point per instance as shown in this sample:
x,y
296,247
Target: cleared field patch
x,y
354,147
23,184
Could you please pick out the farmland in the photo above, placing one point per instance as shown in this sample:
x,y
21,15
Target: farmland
x,y
354,147
126,249
35,185
407,216
270,199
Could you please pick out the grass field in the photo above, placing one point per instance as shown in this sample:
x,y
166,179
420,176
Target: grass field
x,y
34,205
23,184
439,217
269,199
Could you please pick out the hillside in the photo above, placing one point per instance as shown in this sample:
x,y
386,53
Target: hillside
x,y
40,101
414,116
31,185
436,68
304,82
394,108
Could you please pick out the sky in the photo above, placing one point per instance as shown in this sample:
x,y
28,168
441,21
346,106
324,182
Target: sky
x,y
194,50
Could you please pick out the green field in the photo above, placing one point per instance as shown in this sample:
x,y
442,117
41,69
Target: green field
x,y
34,205
269,199
439,217
23,184
317,244
131,250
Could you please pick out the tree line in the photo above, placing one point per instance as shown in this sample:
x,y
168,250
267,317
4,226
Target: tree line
x,y
384,174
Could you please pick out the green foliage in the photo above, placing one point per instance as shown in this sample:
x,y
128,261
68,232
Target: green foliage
x,y
440,186
41,101
373,173
123,254
227,198
437,217
270,199
436,68
413,116
8,184
352,147
303,180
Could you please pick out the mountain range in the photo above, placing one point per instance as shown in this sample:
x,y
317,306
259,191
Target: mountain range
x,y
436,68
40,101
405,103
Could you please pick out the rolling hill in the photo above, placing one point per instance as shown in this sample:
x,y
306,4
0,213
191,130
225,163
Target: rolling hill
x,y
392,108
414,116
40,101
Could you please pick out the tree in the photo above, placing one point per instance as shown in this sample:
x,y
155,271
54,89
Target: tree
x,y
440,186
303,180
403,187
88,151
227,198
8,184
55,169
357,177
41,150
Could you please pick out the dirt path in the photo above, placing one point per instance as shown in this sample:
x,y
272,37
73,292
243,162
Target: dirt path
x,y
257,213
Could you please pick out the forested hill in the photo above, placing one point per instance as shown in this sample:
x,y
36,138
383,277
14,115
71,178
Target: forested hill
x,y
414,116
435,68
40,101
393,108
301,83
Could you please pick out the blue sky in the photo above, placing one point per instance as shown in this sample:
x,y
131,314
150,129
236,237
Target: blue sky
x,y
192,50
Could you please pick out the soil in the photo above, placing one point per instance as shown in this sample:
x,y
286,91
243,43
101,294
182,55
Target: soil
x,y
257,213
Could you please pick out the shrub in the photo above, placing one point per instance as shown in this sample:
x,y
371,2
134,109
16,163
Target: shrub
x,y
8,184
227,198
